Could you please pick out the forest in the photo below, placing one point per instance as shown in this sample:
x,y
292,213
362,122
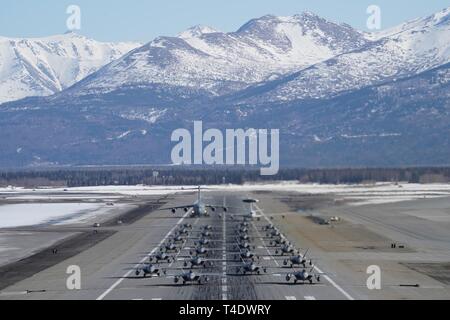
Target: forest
x,y
79,177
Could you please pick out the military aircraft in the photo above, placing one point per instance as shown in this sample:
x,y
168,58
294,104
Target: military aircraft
x,y
205,241
279,241
169,247
201,250
192,277
245,254
242,230
198,262
148,269
274,233
183,231
244,245
199,208
268,227
160,256
250,267
186,226
304,276
286,249
177,238
297,260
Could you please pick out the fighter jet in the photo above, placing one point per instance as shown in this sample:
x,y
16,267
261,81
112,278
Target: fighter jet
x,y
197,261
169,247
183,231
160,256
304,276
297,260
286,249
200,250
244,245
205,241
178,238
268,227
250,267
148,269
192,277
243,230
279,241
244,254
274,233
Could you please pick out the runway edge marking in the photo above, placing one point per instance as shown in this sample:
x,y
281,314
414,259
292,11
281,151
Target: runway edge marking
x,y
334,284
108,291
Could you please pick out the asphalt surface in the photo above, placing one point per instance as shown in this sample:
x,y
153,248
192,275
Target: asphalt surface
x,y
108,268
341,254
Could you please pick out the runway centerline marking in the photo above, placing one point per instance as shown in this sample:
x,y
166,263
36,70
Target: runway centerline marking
x,y
224,260
334,284
115,284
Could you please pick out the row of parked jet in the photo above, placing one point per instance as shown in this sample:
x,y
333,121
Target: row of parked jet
x,y
241,255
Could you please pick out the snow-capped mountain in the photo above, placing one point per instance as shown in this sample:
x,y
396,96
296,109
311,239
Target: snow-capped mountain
x,y
338,96
204,59
197,31
44,66
400,52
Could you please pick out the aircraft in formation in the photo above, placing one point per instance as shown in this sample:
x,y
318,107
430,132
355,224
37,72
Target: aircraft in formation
x,y
242,256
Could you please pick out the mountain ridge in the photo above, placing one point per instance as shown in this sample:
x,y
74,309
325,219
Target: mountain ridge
x,y
382,102
47,65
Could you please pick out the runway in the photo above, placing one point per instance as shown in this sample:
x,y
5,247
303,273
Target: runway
x,y
108,267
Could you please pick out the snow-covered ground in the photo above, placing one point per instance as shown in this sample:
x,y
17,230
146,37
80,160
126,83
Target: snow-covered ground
x,y
18,215
14,215
361,194
85,211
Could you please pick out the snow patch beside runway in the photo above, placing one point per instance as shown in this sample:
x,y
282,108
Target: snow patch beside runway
x,y
20,215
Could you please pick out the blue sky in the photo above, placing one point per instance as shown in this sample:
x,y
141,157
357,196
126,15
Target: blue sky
x,y
143,20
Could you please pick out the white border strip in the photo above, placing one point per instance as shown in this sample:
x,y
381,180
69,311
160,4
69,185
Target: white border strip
x,y
108,291
334,284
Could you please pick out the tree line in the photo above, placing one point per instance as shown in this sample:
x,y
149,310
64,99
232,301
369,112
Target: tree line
x,y
81,177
